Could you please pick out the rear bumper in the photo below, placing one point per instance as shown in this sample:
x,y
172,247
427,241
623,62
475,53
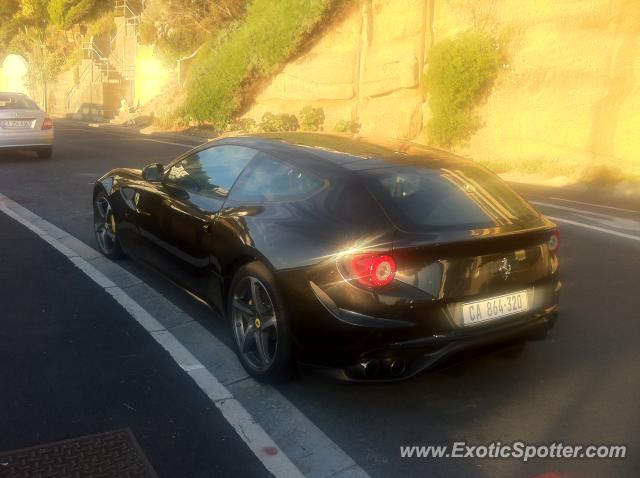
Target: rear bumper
x,y
402,360
26,139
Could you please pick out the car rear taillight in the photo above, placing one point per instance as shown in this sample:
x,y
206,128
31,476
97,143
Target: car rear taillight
x,y
373,269
47,123
553,243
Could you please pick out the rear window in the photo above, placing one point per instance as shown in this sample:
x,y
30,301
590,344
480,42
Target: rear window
x,y
15,102
455,198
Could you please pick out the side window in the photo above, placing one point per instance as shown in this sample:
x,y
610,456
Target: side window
x,y
269,179
212,171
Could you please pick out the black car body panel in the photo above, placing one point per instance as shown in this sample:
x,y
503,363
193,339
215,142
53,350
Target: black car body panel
x,y
339,324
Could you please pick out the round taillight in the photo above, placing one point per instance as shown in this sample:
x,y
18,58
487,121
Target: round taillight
x,y
375,270
47,123
553,243
384,270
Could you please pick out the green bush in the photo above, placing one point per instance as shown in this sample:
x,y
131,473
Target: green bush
x,y
460,74
247,125
16,16
345,126
311,119
65,13
276,123
270,34
103,25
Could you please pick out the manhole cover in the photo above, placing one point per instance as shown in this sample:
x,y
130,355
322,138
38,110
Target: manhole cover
x,y
111,454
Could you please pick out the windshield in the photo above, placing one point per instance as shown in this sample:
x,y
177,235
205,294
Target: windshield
x,y
457,197
15,102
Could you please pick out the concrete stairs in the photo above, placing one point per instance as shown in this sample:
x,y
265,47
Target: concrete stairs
x,y
95,88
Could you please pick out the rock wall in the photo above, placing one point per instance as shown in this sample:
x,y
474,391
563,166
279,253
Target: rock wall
x,y
571,91
366,68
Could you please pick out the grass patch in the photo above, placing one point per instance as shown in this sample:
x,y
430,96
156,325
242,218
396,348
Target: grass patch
x,y
177,28
271,33
460,74
543,167
167,118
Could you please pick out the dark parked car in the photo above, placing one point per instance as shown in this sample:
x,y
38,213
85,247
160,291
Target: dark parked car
x,y
368,261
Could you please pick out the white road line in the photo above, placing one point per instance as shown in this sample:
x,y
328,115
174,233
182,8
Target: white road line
x,y
571,209
169,142
595,205
595,228
260,443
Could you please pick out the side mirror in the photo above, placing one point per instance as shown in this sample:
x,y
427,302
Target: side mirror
x,y
153,172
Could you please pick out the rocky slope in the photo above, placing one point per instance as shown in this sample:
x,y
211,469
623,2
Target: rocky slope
x,y
570,96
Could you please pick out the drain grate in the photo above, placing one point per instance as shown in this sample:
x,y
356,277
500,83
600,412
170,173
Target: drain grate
x,y
105,455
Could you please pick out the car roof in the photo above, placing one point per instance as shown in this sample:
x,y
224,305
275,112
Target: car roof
x,y
14,93
337,152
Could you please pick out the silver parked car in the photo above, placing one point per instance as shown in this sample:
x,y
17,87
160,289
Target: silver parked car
x,y
24,126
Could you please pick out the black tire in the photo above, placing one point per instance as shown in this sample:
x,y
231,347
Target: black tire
x,y
44,153
104,227
273,360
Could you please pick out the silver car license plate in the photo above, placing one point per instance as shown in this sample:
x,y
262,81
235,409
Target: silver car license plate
x,y
16,124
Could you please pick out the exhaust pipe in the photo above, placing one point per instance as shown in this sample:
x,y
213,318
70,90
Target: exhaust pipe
x,y
370,368
397,367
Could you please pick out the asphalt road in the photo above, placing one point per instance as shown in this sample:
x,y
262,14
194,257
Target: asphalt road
x,y
73,363
580,386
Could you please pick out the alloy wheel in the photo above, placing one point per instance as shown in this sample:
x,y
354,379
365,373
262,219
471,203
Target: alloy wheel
x,y
104,225
255,324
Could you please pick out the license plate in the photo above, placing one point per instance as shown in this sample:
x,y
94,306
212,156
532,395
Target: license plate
x,y
16,123
495,307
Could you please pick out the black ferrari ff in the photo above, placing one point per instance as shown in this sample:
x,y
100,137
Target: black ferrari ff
x,y
368,260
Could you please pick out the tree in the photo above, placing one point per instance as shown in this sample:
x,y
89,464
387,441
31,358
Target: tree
x,y
15,16
32,12
8,8
65,13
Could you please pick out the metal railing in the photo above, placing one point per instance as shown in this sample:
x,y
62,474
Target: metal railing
x,y
132,20
127,11
76,86
112,66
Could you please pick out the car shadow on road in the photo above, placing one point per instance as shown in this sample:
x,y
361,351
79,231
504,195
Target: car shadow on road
x,y
19,157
